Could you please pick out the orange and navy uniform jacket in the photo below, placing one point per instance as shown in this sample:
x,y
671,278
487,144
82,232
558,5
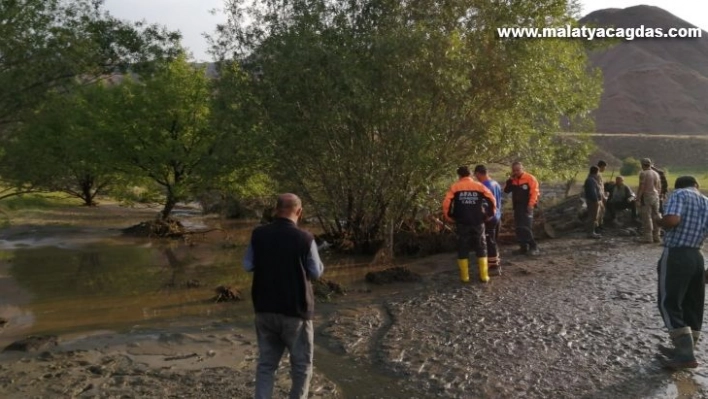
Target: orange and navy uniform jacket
x,y
469,202
524,191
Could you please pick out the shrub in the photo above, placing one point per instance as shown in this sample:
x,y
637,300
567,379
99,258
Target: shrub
x,y
630,166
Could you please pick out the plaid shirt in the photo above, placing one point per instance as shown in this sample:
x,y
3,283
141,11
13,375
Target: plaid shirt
x,y
692,207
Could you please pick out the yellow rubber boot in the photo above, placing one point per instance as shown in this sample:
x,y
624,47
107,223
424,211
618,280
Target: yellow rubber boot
x,y
483,269
464,265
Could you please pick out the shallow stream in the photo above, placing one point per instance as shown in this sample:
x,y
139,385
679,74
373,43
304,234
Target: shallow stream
x,y
580,321
72,282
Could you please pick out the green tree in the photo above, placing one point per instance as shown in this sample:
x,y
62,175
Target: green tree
x,y
245,157
163,130
365,102
60,148
49,44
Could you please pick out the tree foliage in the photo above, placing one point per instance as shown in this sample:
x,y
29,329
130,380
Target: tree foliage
x,y
60,148
367,101
46,45
163,129
245,156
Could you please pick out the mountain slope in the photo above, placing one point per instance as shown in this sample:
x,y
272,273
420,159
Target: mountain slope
x,y
651,85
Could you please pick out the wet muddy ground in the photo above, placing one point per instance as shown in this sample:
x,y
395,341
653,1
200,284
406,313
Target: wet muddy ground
x,y
579,321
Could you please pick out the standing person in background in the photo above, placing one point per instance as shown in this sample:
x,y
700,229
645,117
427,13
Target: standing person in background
x,y
524,197
681,272
283,259
664,187
601,166
648,193
491,227
593,199
469,204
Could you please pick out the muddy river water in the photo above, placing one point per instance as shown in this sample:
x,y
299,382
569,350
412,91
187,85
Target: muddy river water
x,y
578,322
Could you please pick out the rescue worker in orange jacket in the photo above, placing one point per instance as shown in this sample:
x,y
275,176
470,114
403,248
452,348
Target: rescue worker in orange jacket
x,y
524,196
470,204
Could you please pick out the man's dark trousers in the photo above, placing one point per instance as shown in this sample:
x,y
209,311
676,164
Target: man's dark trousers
x,y
681,288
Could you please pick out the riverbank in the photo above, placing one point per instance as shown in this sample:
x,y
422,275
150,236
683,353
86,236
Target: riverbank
x,y
579,321
214,361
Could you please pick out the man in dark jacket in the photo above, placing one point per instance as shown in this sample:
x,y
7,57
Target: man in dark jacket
x,y
283,260
593,199
469,204
601,166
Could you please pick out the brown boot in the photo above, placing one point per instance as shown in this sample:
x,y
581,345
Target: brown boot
x,y
682,356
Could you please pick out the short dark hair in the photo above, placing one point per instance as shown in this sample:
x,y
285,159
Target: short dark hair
x,y
601,163
685,182
594,170
463,171
481,169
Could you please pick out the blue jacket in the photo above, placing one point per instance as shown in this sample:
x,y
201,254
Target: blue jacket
x,y
496,190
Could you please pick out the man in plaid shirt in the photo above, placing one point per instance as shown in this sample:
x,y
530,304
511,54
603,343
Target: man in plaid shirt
x,y
681,272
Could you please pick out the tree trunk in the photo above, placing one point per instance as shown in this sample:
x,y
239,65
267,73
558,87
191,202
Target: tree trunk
x,y
86,190
169,205
569,185
389,241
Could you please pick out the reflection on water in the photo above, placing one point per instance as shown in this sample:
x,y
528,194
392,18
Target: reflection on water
x,y
58,280
84,281
105,285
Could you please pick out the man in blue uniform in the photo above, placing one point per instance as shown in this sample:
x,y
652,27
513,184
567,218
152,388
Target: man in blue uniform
x,y
491,227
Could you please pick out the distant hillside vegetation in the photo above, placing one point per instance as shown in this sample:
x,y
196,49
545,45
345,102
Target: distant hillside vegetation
x,y
651,85
678,151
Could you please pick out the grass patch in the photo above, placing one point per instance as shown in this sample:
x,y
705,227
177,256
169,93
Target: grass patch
x,y
5,256
633,180
672,173
38,201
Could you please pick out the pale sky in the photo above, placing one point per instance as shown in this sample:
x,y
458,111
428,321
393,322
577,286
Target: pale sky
x,y
192,17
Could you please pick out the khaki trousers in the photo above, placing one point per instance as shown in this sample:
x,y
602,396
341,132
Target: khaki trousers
x,y
649,211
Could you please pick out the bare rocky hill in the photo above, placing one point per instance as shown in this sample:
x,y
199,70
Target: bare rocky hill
x,y
651,85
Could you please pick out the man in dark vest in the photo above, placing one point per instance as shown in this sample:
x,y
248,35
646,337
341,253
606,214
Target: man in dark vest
x,y
283,259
